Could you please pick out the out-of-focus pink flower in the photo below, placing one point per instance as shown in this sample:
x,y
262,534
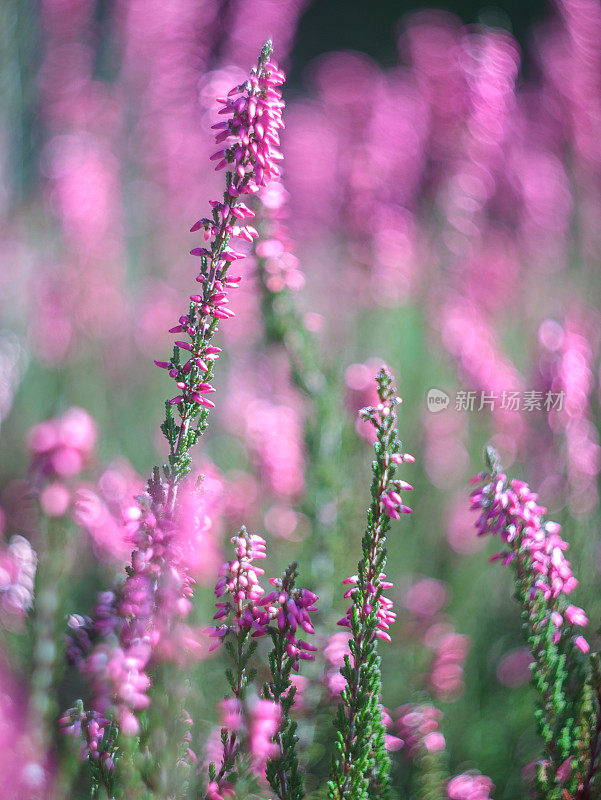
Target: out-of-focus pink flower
x,y
469,786
274,433
18,563
61,447
109,511
514,668
24,770
361,392
425,597
418,727
265,717
446,671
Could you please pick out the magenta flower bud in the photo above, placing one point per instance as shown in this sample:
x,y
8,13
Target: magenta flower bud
x,y
576,616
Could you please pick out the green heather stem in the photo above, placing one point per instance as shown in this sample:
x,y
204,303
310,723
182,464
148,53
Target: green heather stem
x,y
55,561
361,765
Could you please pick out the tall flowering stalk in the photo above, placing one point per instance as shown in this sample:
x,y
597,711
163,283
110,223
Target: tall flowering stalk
x,y
135,626
567,681
249,137
361,766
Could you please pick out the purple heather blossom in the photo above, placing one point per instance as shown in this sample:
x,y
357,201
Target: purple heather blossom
x,y
239,583
510,510
390,503
248,607
418,727
249,139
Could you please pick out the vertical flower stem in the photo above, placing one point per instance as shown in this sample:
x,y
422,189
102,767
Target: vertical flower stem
x,y
283,772
361,766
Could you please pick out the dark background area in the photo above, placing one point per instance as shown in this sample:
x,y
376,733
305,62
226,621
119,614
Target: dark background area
x,y
372,26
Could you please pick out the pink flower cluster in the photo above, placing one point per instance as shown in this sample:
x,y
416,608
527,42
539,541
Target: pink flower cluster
x,y
255,109
391,504
90,727
265,719
281,266
239,581
60,449
294,608
446,671
385,615
419,728
275,436
335,651
510,510
469,786
256,722
248,607
109,512
18,562
143,621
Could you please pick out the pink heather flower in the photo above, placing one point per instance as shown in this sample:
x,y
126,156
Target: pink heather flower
x,y
293,617
24,771
510,510
513,668
61,447
391,743
425,598
265,718
385,615
418,727
230,714
275,435
109,512
361,392
280,267
18,563
239,583
576,616
248,141
446,671
90,727
335,651
247,606
144,621
565,770
469,786
55,499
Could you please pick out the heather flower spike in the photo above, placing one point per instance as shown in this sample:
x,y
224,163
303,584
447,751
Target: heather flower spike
x,y
119,650
565,676
361,765
248,138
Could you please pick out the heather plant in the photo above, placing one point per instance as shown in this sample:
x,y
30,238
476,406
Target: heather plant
x,y
422,208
